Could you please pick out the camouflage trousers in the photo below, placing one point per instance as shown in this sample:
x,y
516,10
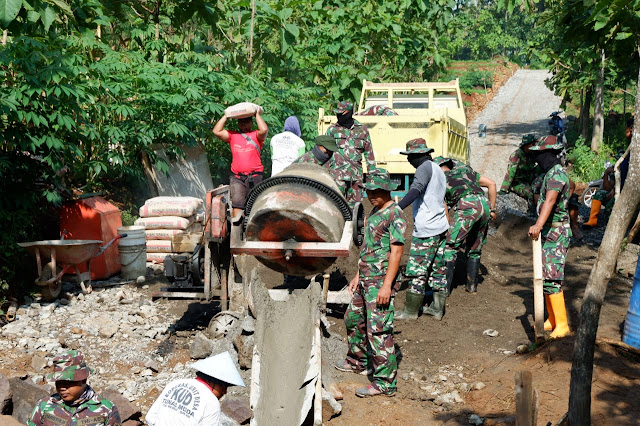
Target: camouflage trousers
x,y
352,191
555,245
370,335
527,190
421,256
470,223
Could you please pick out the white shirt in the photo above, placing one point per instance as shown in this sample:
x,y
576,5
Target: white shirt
x,y
185,402
286,147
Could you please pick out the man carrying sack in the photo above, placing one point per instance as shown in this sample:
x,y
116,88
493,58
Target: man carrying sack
x,y
246,146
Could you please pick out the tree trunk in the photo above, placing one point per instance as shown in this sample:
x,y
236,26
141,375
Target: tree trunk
x,y
584,114
598,113
621,216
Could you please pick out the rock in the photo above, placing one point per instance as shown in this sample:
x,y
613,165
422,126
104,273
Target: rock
x,y
248,324
330,407
140,279
522,349
200,347
5,395
237,409
37,379
6,420
405,376
244,346
145,287
442,378
107,329
475,419
127,410
25,396
146,372
38,363
479,386
152,364
490,332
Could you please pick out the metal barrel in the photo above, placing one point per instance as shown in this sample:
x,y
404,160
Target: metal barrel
x,y
631,334
301,204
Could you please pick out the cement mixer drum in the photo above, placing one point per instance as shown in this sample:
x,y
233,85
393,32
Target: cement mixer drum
x,y
301,204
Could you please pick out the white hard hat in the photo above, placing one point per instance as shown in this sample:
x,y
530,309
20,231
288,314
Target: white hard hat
x,y
220,367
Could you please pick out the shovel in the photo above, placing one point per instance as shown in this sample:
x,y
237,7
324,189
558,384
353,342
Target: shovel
x,y
538,297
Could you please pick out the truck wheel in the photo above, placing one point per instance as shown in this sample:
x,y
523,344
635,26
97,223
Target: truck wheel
x,y
588,194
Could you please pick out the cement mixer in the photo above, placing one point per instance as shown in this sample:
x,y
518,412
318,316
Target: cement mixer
x,y
298,222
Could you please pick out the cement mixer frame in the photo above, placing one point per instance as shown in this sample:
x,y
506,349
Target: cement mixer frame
x,y
224,238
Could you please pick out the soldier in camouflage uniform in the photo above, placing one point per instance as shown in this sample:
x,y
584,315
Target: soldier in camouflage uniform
x,y
554,229
353,142
76,403
523,176
321,153
429,228
469,216
369,317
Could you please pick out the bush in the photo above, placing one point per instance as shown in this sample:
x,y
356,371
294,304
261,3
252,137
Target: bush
x,y
475,78
587,165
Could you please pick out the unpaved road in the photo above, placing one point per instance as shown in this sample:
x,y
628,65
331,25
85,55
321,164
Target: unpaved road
x,y
521,106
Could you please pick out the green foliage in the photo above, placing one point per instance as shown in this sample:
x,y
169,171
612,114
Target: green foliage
x,y
475,78
587,165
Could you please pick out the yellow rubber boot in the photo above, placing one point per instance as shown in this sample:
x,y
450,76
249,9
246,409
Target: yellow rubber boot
x,y
560,313
550,323
596,205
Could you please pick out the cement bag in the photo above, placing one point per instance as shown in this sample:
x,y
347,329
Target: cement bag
x,y
171,200
157,257
165,222
162,234
175,207
243,110
158,246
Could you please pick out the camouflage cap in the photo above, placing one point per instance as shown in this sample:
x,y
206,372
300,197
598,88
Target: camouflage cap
x,y
70,366
343,107
527,139
417,146
440,161
327,141
379,179
546,143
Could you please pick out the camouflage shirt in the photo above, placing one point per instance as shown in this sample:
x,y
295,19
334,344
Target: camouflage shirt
x,y
462,180
383,228
310,158
353,143
556,179
521,168
90,410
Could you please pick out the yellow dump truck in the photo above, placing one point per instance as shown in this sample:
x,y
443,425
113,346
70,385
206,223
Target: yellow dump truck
x,y
433,111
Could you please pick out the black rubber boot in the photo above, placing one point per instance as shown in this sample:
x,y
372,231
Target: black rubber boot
x,y
412,306
436,309
472,275
451,268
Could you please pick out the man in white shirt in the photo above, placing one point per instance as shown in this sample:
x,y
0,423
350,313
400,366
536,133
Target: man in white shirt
x,y
191,402
287,146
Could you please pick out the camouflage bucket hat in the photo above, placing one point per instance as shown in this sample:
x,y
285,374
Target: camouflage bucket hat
x,y
527,139
417,146
70,366
546,143
327,141
379,179
343,107
439,160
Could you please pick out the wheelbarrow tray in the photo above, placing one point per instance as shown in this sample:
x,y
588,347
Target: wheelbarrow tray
x,y
70,252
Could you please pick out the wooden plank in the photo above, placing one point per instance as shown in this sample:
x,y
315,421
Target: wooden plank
x,y
317,347
526,399
333,297
325,292
538,296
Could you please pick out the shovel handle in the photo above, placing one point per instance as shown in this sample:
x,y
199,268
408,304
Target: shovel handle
x,y
538,297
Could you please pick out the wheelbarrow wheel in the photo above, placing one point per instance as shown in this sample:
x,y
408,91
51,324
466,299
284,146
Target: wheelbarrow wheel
x,y
51,291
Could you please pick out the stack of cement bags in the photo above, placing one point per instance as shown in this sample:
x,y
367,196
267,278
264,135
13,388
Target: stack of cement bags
x,y
165,217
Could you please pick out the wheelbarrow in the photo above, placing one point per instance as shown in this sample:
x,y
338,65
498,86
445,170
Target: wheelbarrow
x,y
64,256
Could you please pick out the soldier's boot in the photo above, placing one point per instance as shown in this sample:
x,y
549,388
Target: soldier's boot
x,y
472,275
412,306
560,314
451,268
550,323
596,205
436,309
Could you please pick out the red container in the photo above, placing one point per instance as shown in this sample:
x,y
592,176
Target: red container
x,y
94,219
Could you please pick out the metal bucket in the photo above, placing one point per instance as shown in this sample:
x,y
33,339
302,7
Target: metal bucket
x,y
300,204
631,334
